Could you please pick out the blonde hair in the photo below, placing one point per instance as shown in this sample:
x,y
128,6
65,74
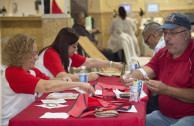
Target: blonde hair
x,y
18,50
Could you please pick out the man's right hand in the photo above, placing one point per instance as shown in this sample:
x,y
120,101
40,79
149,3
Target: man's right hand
x,y
128,80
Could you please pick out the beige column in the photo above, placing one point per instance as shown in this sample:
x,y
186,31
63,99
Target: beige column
x,y
51,25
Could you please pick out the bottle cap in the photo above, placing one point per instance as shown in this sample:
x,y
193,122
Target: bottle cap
x,y
83,67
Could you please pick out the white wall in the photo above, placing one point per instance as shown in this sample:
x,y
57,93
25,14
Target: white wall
x,y
26,7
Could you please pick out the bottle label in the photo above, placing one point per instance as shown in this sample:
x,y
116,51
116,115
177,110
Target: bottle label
x,y
83,78
133,67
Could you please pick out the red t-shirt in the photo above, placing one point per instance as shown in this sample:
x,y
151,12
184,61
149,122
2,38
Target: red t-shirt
x,y
178,73
52,61
21,81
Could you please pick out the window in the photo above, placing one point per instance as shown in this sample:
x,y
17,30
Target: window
x,y
152,7
127,7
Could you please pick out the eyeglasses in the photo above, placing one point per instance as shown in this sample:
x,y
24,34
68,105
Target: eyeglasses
x,y
35,53
172,34
74,46
146,41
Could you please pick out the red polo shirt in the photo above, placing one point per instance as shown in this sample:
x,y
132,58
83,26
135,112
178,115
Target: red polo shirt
x,y
52,61
178,73
22,81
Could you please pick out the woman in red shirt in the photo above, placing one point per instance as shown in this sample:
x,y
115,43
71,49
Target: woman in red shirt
x,y
56,59
21,81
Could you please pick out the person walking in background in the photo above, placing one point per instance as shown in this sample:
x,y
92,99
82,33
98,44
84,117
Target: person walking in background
x,y
21,81
56,59
154,38
119,25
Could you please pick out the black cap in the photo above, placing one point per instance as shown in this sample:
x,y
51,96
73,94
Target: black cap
x,y
176,20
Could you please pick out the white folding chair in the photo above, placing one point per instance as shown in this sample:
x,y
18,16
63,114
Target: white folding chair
x,y
129,50
126,51
128,47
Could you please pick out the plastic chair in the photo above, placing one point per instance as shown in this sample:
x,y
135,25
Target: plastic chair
x,y
128,47
129,50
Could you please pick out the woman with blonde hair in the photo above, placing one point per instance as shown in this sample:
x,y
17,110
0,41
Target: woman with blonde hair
x,y
21,81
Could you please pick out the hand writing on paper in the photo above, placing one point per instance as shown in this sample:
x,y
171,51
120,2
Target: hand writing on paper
x,y
157,86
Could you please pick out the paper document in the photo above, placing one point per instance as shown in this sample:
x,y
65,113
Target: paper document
x,y
133,109
50,115
54,101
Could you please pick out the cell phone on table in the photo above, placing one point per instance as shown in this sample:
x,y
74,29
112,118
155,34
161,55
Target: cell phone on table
x,y
125,95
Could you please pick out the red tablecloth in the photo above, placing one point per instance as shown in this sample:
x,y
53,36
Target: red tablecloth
x,y
30,115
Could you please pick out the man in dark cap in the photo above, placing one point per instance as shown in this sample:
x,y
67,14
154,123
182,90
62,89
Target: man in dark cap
x,y
173,66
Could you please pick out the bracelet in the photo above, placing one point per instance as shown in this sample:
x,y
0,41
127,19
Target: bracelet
x,y
143,72
110,63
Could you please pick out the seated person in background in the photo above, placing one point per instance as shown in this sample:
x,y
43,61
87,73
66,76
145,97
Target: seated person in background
x,y
79,26
173,66
154,38
21,81
56,59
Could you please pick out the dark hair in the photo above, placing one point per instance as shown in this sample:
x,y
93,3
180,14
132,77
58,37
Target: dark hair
x,y
122,12
65,37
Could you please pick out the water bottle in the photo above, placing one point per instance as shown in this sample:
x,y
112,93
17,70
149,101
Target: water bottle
x,y
83,75
134,88
133,64
134,95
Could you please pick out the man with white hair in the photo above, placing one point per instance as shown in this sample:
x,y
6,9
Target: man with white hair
x,y
154,38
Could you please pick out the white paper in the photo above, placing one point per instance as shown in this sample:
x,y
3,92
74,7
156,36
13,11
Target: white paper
x,y
56,95
117,93
54,101
133,109
98,92
79,90
61,94
143,94
51,105
50,115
